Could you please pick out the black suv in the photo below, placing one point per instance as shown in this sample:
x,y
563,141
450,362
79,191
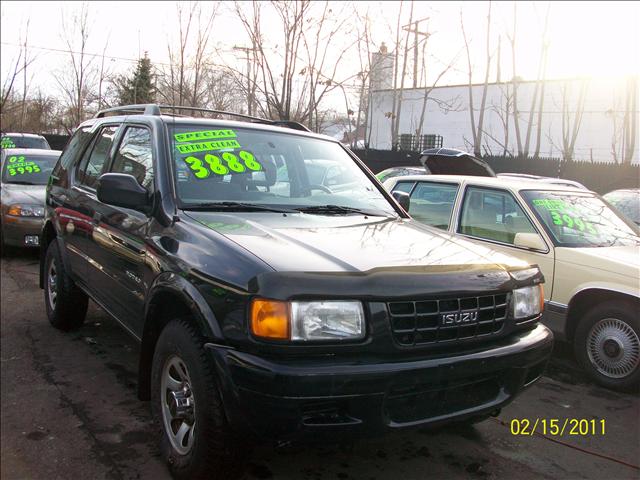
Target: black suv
x,y
270,307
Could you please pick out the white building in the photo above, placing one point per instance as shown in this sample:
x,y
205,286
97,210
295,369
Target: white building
x,y
447,114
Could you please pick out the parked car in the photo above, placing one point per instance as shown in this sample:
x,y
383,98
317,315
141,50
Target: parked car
x,y
24,175
399,172
587,252
555,181
277,316
23,140
626,201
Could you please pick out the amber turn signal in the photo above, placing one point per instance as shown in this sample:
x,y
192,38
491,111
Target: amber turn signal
x,y
270,319
14,210
541,298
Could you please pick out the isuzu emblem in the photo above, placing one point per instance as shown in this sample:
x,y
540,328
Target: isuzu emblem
x,y
459,318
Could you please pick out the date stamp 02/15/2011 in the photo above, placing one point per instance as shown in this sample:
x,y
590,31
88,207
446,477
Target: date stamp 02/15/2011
x,y
557,426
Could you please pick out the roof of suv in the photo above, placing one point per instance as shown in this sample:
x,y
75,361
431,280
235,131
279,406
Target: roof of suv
x,y
155,111
513,183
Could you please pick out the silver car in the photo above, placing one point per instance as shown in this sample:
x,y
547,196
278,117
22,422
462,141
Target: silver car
x,y
25,173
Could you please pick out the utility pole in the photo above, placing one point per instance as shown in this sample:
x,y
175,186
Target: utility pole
x,y
247,51
416,34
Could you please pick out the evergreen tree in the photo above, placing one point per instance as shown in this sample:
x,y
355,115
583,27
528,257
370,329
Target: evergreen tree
x,y
139,88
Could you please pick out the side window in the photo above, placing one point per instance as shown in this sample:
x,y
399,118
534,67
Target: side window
x,y
135,157
432,203
403,187
493,215
95,158
72,150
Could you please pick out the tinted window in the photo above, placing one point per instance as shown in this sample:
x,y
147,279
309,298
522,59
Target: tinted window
x,y
93,162
432,203
76,144
213,164
28,169
403,187
134,156
493,215
19,141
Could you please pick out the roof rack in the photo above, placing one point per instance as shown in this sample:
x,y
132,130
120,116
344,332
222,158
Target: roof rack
x,y
154,109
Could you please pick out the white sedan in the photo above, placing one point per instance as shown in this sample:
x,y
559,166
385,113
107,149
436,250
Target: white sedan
x,y
589,255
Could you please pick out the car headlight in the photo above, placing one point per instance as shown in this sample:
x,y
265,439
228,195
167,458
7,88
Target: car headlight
x,y
334,320
19,210
527,302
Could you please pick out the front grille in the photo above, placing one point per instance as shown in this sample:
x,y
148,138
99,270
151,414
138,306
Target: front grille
x,y
421,322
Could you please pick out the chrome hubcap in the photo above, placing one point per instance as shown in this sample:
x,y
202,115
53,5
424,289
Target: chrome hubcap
x,y
613,348
178,405
52,280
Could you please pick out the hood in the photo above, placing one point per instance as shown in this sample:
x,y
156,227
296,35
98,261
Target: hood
x,y
317,243
29,194
621,260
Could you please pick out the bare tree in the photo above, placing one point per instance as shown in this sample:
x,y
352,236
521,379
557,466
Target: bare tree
x,y
515,80
540,80
630,125
477,133
572,119
398,112
543,83
20,64
77,82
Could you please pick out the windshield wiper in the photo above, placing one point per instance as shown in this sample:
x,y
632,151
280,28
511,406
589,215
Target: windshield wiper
x,y
20,182
236,206
337,210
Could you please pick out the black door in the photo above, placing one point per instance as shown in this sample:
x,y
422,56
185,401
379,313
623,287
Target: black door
x,y
76,207
120,233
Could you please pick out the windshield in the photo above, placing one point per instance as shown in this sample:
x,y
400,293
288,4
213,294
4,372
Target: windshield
x,y
261,168
580,220
626,202
19,141
28,169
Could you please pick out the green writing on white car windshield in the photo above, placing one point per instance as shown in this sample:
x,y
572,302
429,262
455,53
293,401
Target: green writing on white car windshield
x,y
564,215
20,166
7,142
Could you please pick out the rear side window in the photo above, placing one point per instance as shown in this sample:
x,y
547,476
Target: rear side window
x,y
95,158
76,144
134,156
432,203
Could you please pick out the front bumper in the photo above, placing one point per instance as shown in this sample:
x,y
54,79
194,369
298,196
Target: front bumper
x,y
307,398
15,229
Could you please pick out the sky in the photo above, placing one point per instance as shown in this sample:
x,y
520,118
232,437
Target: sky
x,y
584,38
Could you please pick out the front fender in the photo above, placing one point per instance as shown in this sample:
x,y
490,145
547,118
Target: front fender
x,y
169,282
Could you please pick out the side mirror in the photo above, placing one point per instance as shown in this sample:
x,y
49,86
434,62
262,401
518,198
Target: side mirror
x,y
123,190
403,199
532,241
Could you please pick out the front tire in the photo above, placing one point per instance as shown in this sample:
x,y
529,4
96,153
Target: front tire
x,y
195,438
607,344
66,304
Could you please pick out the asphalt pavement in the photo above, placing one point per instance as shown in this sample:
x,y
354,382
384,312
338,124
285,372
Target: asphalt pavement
x,y
69,410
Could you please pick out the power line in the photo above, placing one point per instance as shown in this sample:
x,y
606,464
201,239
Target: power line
x,y
61,50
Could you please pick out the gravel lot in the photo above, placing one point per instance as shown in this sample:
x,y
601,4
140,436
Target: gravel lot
x,y
69,410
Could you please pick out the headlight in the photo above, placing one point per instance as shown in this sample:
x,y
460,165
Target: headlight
x,y
330,320
527,301
26,210
335,320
